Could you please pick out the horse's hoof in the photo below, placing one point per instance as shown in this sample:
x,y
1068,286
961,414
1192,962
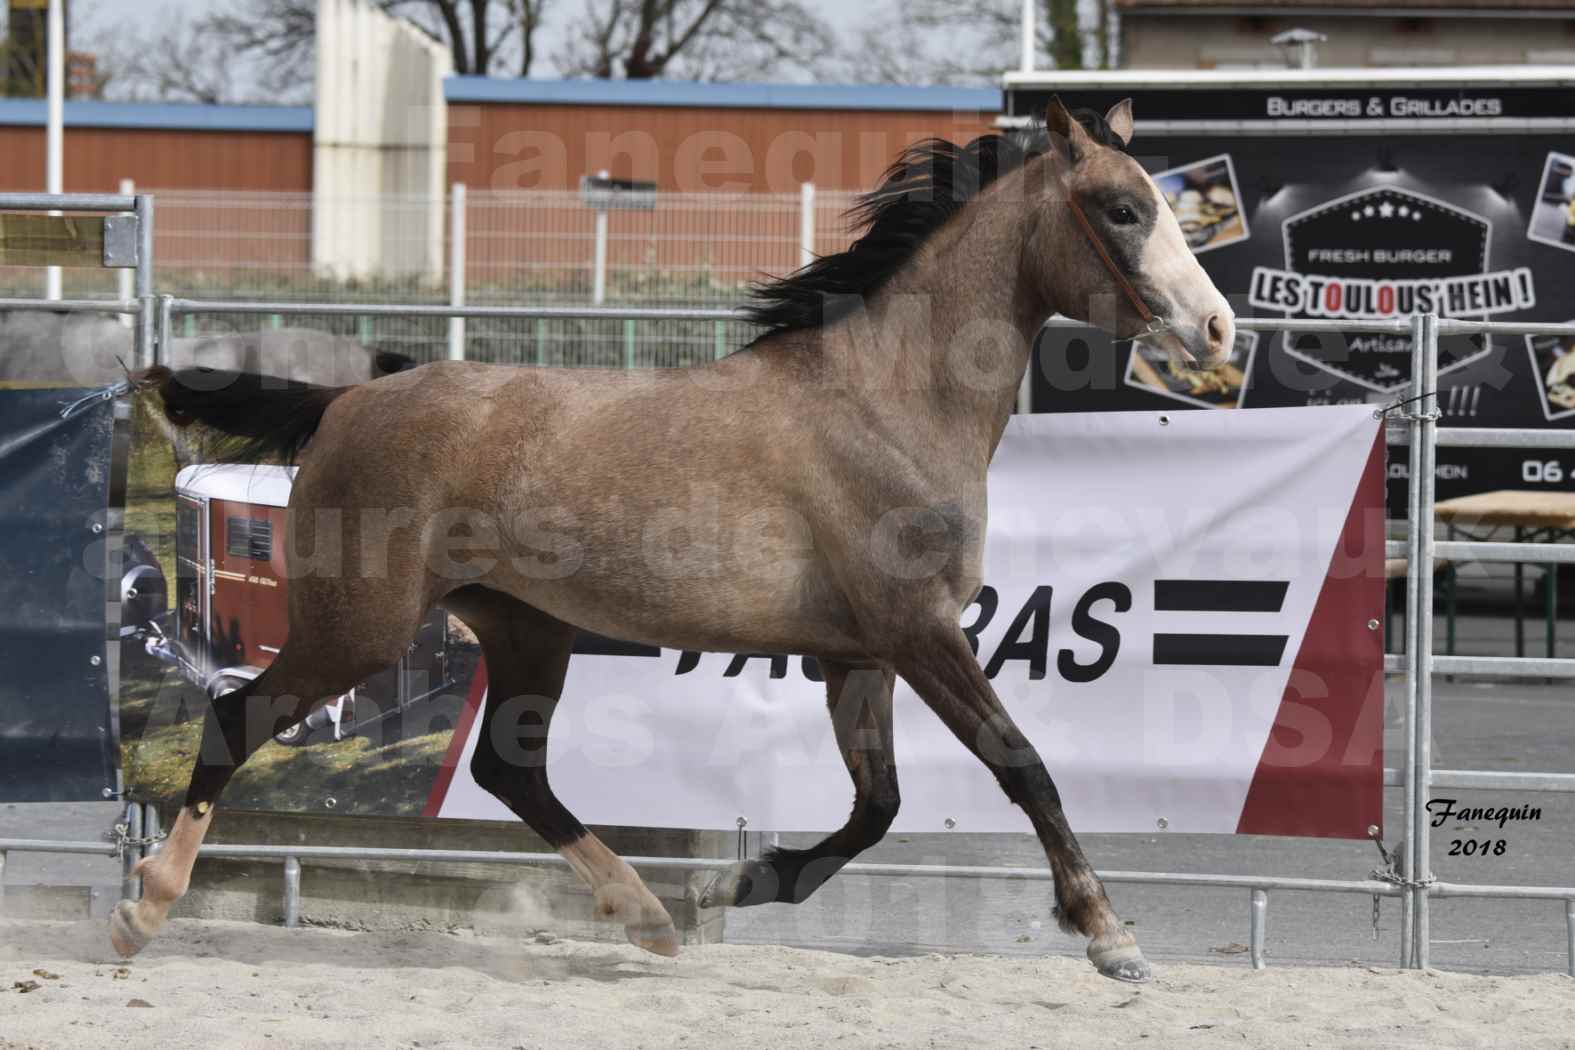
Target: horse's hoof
x,y
123,932
1129,971
745,883
720,891
1122,961
658,938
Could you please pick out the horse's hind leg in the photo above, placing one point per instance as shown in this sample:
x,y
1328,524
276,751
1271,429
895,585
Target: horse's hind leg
x,y
235,726
527,654
860,704
945,673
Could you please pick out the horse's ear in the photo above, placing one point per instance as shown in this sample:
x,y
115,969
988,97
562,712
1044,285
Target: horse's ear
x,y
1067,136
1120,120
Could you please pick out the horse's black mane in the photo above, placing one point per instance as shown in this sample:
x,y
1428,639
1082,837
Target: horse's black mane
x,y
926,186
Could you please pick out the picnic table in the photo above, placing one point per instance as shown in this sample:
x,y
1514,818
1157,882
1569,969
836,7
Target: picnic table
x,y
1537,516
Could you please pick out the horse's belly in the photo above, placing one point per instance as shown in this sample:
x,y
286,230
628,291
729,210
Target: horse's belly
x,y
706,611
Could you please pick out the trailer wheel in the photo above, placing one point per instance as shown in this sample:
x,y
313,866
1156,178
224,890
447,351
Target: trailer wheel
x,y
225,683
291,736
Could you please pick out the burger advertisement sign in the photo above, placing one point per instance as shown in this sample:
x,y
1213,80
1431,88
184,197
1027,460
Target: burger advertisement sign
x,y
1353,224
1385,254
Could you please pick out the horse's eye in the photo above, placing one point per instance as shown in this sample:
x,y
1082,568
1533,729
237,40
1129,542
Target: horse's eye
x,y
1121,215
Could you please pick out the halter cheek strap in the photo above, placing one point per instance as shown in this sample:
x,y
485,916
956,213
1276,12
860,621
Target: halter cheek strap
x,y
1110,264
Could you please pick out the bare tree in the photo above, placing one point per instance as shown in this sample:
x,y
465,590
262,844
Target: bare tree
x,y
696,39
944,42
258,50
486,37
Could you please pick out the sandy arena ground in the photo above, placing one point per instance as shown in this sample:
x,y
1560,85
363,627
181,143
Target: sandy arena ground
x,y
232,985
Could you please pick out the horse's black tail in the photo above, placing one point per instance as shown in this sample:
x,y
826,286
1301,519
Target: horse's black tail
x,y
261,418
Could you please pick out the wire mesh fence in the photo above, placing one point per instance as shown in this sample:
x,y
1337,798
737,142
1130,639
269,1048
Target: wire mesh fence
x,y
520,248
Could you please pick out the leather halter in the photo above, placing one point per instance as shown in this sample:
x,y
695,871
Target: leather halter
x,y
1154,326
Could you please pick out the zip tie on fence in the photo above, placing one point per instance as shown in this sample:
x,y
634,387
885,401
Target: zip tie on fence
x,y
1433,416
121,836
108,393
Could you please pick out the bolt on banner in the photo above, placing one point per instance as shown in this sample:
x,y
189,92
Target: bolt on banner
x,y
1177,611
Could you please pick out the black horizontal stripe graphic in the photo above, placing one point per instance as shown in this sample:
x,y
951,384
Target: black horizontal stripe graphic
x,y
1228,650
1245,596
589,643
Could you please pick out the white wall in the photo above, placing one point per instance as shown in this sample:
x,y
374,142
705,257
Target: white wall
x,y
380,153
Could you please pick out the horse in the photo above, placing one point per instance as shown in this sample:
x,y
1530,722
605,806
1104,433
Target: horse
x,y
820,491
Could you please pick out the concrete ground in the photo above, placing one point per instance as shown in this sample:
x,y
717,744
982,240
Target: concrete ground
x,y
1521,725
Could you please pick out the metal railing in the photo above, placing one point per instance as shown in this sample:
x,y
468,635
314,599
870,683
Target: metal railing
x,y
1414,884
490,247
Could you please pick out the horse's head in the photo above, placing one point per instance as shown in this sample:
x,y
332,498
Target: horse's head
x,y
1116,256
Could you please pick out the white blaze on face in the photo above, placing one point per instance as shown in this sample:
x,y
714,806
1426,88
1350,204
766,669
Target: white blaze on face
x,y
1203,322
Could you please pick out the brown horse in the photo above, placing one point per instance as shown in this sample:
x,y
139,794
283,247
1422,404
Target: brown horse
x,y
821,491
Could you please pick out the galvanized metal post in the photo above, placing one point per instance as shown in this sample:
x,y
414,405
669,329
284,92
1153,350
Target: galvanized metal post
x,y
148,351
131,884
1569,933
292,893
150,829
806,223
125,279
1413,574
2,886
1419,691
1025,385
164,326
1569,929
456,271
1027,63
599,261
1260,918
55,121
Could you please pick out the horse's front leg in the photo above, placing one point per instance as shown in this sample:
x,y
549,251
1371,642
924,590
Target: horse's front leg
x,y
943,670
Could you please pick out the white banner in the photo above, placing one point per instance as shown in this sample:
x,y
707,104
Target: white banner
x,y
1150,579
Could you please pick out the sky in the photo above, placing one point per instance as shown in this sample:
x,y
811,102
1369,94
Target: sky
x,y
843,15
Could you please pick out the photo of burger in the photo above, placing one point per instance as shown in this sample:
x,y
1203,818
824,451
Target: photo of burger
x,y
1206,201
1553,212
1153,369
1553,362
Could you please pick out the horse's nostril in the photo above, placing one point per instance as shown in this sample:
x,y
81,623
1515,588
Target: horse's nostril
x,y
1215,326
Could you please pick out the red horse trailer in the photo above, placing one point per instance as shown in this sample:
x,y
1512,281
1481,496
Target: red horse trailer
x,y
230,616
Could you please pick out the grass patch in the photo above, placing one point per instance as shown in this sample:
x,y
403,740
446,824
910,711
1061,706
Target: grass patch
x,y
381,772
150,487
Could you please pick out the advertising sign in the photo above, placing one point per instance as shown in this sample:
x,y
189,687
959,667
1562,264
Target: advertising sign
x,y
1189,656
1351,226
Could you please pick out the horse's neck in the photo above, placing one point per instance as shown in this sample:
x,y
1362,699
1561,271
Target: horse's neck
x,y
948,337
